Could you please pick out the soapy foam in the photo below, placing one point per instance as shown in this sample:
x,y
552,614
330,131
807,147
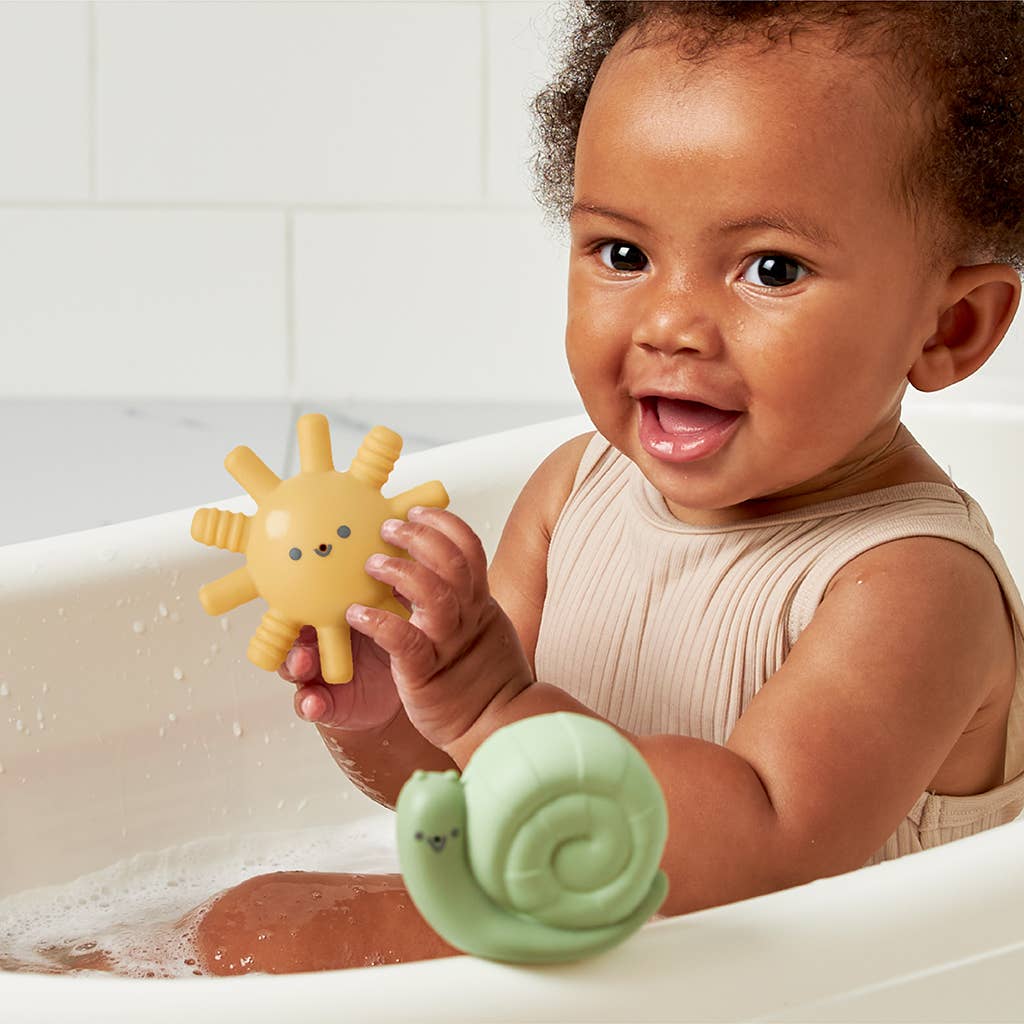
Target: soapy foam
x,y
138,917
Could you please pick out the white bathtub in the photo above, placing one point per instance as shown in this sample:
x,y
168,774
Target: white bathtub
x,y
93,626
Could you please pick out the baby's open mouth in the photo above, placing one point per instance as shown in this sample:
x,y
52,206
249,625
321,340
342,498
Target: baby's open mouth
x,y
680,416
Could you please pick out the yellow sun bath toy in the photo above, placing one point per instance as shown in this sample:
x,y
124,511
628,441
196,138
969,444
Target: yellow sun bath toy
x,y
307,543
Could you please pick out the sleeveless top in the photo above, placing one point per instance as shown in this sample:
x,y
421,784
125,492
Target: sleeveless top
x,y
661,626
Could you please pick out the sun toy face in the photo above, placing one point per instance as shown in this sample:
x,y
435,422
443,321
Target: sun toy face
x,y
306,545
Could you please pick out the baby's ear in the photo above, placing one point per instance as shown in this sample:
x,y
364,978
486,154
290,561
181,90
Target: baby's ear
x,y
978,304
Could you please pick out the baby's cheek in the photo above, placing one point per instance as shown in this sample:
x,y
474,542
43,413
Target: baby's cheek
x,y
292,921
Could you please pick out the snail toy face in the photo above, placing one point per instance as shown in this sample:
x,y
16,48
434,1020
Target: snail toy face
x,y
436,813
306,544
547,849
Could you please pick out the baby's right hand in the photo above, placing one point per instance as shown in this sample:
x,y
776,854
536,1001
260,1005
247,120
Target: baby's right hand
x,y
369,701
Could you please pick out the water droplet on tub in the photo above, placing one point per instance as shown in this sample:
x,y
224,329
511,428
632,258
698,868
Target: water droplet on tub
x,y
161,732
172,717
236,728
107,554
19,725
138,626
4,690
46,687
162,610
225,624
178,674
214,648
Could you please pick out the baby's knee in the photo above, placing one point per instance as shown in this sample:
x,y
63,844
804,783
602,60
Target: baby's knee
x,y
292,921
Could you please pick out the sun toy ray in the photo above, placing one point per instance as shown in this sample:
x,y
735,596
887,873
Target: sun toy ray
x,y
306,545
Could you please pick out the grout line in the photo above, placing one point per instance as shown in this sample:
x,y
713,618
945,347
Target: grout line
x,y
211,205
92,74
485,89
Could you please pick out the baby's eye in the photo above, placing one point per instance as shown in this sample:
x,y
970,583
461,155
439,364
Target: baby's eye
x,y
775,270
622,256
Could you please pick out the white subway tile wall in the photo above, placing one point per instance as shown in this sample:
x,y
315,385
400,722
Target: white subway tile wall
x,y
45,116
285,200
457,291
143,303
280,200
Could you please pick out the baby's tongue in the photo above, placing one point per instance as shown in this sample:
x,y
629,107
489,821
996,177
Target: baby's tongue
x,y
679,417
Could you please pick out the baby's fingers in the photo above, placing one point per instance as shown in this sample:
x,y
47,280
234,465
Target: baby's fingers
x,y
302,662
314,703
413,656
435,606
445,545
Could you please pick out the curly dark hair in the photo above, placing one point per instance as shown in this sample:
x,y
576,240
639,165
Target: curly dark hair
x,y
964,170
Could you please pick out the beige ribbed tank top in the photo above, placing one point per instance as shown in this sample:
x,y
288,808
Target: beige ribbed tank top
x,y
665,627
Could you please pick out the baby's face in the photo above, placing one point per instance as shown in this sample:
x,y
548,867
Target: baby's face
x,y
807,340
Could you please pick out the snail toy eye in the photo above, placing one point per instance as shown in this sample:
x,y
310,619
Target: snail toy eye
x,y
295,554
344,531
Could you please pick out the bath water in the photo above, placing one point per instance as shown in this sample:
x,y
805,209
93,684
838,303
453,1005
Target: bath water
x,y
138,917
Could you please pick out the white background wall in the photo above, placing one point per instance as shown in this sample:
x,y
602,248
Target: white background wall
x,y
275,200
283,200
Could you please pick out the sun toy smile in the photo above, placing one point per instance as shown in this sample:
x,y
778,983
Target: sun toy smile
x,y
307,543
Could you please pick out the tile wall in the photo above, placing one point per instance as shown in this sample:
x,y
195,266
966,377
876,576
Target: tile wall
x,y
289,201
284,200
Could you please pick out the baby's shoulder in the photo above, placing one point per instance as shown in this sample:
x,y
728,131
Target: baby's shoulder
x,y
550,485
943,584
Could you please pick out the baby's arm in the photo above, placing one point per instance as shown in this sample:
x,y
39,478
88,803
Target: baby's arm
x,y
910,642
363,723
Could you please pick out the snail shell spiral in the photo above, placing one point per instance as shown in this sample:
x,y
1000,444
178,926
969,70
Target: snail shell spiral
x,y
547,848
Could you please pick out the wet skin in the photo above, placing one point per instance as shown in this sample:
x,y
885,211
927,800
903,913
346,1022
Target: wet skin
x,y
293,921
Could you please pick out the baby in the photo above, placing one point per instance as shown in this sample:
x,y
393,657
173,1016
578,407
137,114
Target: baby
x,y
781,215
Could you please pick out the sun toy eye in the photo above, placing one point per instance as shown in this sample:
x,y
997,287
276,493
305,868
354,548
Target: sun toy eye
x,y
295,554
344,531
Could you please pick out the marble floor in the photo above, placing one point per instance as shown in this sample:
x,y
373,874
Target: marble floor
x,y
74,464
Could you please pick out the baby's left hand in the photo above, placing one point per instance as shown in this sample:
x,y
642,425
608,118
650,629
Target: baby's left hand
x,y
459,650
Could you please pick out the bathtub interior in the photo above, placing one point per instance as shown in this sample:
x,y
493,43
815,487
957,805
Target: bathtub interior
x,y
131,721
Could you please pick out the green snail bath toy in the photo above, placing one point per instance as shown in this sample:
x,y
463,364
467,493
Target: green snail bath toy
x,y
307,543
545,850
